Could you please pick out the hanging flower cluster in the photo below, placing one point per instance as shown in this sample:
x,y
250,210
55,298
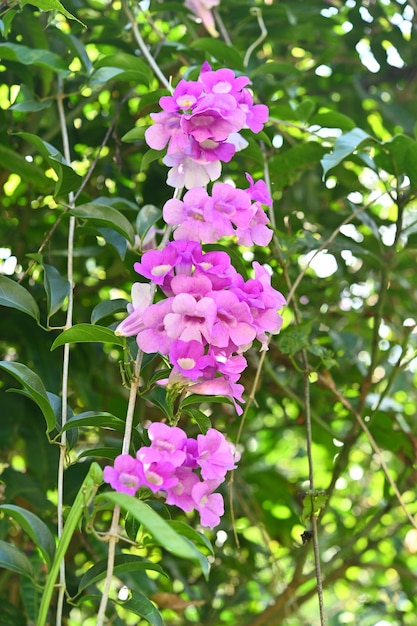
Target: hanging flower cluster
x,y
209,315
201,122
188,470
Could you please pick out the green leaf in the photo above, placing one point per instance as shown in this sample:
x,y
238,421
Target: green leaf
x,y
157,527
108,307
275,67
57,288
149,157
135,134
226,55
91,418
142,606
148,215
100,453
122,563
105,216
31,173
34,388
51,5
187,531
288,165
198,399
17,297
30,56
201,419
313,501
129,63
68,179
87,333
295,338
35,528
115,240
344,146
332,119
13,559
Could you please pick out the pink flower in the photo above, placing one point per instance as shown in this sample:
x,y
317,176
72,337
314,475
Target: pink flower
x,y
180,494
215,455
141,299
125,476
190,319
202,9
209,505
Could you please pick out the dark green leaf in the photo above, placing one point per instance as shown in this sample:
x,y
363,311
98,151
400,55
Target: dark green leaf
x,y
51,5
87,333
135,134
13,559
140,605
31,56
295,338
122,563
201,419
56,287
106,308
148,215
31,173
35,528
332,119
227,55
187,531
17,297
92,418
34,388
105,216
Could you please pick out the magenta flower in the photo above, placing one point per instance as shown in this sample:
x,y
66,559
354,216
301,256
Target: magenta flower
x,y
159,476
190,320
169,442
125,476
153,337
209,505
215,455
233,321
189,358
180,494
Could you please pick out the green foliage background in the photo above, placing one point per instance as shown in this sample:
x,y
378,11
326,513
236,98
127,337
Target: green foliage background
x,y
340,80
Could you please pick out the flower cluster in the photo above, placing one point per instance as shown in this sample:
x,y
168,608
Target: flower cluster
x,y
228,211
210,315
201,122
173,464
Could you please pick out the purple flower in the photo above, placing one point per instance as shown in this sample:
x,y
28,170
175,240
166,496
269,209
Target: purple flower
x,y
154,337
141,299
159,476
202,9
215,455
189,358
190,319
125,476
233,321
169,442
180,494
209,505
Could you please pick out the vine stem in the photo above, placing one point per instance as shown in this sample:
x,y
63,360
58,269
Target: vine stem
x,y
148,56
66,356
113,534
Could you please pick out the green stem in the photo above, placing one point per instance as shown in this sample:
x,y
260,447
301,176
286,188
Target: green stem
x,y
85,495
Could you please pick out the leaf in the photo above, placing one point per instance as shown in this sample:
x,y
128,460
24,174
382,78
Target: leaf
x,y
17,297
87,333
35,528
105,216
226,55
198,399
201,419
91,418
149,157
332,119
187,531
51,5
148,215
13,559
68,179
34,388
344,146
295,338
31,56
313,502
122,563
31,173
129,63
135,134
108,307
57,288
157,527
115,240
142,606
100,453
288,165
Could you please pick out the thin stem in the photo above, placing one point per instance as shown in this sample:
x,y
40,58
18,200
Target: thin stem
x,y
66,358
113,532
148,56
256,11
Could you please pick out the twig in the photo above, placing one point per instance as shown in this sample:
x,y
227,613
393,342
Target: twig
x,y
66,357
256,11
